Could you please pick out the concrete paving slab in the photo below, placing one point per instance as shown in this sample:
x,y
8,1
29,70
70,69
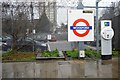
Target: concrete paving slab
x,y
61,69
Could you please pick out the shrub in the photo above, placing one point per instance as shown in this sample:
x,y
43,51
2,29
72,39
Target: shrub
x,y
7,54
47,53
92,53
88,53
115,53
73,53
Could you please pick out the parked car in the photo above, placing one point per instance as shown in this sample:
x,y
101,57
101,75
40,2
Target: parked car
x,y
1,43
6,44
53,38
24,45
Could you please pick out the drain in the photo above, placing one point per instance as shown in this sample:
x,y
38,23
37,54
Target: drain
x,y
63,63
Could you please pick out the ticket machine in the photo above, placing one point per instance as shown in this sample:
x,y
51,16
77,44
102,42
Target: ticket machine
x,y
107,34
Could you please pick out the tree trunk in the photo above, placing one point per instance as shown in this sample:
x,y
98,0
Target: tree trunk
x,y
14,45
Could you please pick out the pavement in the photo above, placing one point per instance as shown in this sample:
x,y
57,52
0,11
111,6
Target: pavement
x,y
61,69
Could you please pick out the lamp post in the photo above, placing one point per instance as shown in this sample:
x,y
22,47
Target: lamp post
x,y
32,20
33,40
97,26
97,34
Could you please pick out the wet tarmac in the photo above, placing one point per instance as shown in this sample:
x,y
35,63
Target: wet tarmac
x,y
61,69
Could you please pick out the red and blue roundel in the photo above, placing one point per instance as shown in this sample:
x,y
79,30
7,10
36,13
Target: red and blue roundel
x,y
87,27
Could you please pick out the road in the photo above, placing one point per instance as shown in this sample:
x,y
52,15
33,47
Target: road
x,y
65,45
89,47
61,69
60,45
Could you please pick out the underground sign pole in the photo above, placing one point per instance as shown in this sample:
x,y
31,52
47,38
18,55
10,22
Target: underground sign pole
x,y
80,28
81,50
86,29
81,43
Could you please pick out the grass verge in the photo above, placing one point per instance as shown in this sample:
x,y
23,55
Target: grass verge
x,y
19,56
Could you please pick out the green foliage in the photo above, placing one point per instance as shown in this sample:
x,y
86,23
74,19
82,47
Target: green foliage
x,y
55,53
115,53
8,53
92,53
19,56
73,53
47,53
88,53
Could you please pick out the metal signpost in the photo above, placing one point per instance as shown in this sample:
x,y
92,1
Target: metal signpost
x,y
80,26
80,44
33,39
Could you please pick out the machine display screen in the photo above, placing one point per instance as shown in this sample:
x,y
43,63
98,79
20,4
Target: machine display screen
x,y
106,23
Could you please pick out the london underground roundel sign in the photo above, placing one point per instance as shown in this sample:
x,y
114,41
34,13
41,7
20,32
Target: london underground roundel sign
x,y
76,30
86,32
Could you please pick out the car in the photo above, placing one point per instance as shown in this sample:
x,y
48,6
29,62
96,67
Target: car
x,y
53,38
7,44
0,42
1,45
25,45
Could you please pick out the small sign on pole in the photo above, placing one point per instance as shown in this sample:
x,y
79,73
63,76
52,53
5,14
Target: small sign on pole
x,y
49,37
34,31
82,53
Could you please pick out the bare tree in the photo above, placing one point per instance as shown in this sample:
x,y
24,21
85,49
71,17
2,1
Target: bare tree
x,y
109,13
14,21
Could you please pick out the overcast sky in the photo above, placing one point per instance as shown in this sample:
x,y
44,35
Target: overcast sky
x,y
62,12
